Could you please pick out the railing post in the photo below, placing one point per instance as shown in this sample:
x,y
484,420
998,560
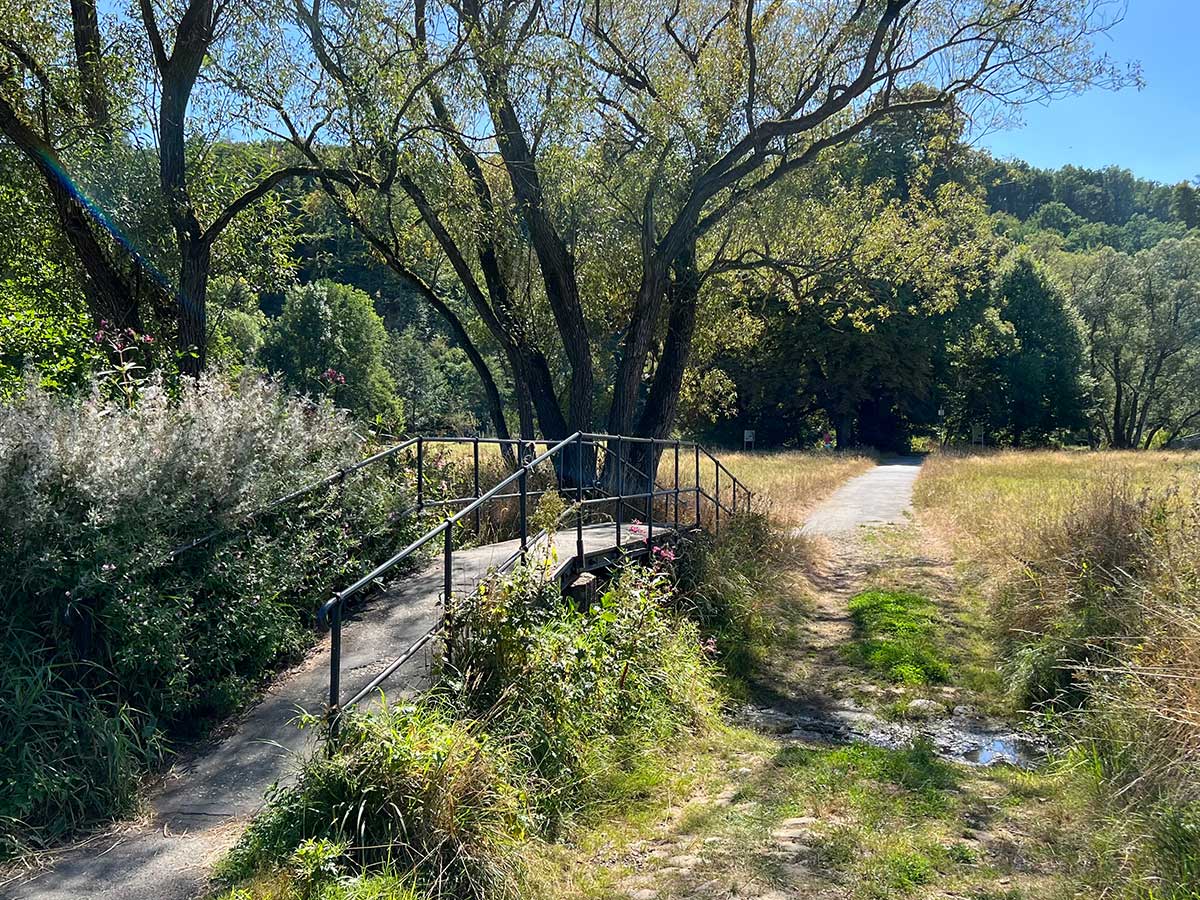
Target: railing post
x,y
475,453
447,587
523,481
620,491
651,463
335,664
677,484
696,447
717,491
420,473
579,504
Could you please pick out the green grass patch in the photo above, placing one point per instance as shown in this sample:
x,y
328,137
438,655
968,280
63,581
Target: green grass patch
x,y
898,635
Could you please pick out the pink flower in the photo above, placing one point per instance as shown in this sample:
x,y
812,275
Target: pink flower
x,y
333,376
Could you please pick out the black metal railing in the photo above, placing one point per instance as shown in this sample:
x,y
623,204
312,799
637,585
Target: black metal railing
x,y
591,471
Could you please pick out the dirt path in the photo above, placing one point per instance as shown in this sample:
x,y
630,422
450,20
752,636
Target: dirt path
x,y
834,792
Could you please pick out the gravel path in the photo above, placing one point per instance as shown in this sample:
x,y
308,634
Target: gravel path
x,y
882,496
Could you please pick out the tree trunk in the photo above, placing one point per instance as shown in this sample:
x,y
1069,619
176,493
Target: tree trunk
x,y
193,317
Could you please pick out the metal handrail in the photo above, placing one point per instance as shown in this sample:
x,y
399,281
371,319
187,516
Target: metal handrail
x,y
330,612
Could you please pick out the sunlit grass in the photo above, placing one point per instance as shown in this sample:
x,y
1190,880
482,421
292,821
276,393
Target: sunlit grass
x,y
786,483
987,503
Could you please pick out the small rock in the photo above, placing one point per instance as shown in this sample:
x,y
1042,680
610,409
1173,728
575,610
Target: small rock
x,y
966,711
924,709
644,894
793,829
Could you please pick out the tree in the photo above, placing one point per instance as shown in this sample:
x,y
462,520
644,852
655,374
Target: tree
x,y
1185,206
1041,372
330,341
634,143
1141,316
69,102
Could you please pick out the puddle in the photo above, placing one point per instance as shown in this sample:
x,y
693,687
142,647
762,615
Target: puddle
x,y
966,739
1015,751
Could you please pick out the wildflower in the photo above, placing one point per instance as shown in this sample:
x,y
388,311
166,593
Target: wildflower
x,y
666,554
333,376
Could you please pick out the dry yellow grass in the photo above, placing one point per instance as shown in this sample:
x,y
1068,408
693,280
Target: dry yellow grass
x,y
988,503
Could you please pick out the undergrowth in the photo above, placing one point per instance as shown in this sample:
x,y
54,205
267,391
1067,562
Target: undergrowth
x,y
725,584
110,646
549,716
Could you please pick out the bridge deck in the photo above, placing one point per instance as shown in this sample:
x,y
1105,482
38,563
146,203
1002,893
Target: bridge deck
x,y
207,797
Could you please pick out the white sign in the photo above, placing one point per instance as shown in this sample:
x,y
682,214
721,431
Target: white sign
x,y
748,436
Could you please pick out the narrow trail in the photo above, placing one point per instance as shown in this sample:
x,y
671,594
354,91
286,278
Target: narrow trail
x,y
815,693
832,806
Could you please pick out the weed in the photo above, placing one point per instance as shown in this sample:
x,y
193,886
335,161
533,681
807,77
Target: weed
x,y
897,635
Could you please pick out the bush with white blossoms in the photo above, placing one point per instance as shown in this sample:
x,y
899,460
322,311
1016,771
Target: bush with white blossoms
x,y
108,644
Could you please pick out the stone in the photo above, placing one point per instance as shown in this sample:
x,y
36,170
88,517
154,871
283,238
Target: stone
x,y
793,829
924,709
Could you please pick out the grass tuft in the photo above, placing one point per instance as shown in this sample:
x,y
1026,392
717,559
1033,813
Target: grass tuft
x,y
897,634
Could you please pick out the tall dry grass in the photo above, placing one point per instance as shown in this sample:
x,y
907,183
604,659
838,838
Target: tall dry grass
x,y
989,503
1095,578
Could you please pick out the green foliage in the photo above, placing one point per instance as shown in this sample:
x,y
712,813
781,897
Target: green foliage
x,y
239,327
548,712
1141,313
589,691
407,788
725,584
1018,372
109,645
329,341
435,383
43,320
898,636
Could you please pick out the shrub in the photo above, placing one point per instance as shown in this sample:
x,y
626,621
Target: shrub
x,y
587,692
724,584
897,635
108,644
405,789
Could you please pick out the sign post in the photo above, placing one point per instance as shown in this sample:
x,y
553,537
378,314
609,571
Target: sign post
x,y
748,439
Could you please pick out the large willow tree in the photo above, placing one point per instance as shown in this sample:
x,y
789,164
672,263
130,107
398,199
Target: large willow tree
x,y
563,178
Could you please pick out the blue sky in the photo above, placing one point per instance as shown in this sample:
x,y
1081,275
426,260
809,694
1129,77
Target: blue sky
x,y
1154,132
